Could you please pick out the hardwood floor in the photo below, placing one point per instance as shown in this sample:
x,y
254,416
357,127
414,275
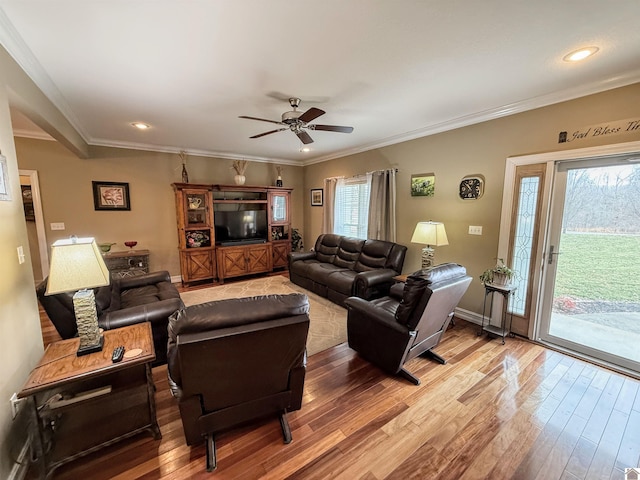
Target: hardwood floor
x,y
493,411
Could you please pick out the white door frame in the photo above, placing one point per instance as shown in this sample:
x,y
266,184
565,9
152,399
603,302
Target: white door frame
x,y
40,227
507,205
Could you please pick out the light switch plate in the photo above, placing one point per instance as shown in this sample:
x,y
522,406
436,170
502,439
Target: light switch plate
x,y
57,226
475,230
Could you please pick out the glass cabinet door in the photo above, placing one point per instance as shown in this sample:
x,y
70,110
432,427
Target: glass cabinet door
x,y
279,209
196,208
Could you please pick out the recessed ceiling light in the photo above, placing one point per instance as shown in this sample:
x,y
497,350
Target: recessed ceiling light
x,y
581,54
305,149
140,125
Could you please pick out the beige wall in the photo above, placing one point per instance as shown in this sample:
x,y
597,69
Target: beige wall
x,y
483,149
20,336
67,196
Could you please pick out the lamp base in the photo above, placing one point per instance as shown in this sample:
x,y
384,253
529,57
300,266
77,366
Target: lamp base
x,y
84,306
427,257
87,349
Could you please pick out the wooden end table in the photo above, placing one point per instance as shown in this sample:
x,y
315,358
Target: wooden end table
x,y
78,405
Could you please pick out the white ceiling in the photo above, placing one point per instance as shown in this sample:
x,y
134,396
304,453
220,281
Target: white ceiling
x,y
393,70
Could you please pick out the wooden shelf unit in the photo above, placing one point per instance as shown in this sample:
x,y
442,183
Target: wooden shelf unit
x,y
196,233
196,207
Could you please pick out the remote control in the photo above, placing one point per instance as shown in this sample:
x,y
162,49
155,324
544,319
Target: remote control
x,y
118,353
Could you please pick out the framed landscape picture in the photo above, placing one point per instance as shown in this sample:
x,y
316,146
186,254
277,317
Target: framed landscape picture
x,y
423,185
111,196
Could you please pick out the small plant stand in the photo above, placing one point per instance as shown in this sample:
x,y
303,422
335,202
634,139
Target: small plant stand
x,y
506,291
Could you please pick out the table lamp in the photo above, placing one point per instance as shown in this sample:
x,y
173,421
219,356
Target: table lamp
x,y
77,265
429,233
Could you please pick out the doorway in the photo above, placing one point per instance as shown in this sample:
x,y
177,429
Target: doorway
x,y
535,311
30,187
592,287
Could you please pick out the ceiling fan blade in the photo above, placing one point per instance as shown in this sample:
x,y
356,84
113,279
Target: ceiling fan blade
x,y
269,133
304,137
331,128
311,114
261,119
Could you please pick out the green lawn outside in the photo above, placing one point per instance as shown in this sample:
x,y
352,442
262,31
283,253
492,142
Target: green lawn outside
x,y
599,267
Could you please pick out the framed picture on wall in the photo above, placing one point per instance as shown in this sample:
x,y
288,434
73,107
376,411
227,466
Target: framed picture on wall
x,y
316,197
111,196
423,185
5,193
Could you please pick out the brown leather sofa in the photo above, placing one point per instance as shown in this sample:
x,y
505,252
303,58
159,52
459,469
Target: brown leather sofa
x,y
340,267
150,297
410,321
237,360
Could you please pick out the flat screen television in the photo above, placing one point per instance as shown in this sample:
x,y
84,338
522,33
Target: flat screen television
x,y
240,226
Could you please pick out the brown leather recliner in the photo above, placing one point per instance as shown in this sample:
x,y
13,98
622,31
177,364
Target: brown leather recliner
x,y
142,298
237,360
391,330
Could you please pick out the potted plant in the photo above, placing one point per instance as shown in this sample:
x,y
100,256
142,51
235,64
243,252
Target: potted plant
x,y
296,240
498,275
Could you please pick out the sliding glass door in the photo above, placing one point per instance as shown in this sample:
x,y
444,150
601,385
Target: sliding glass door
x,y
592,264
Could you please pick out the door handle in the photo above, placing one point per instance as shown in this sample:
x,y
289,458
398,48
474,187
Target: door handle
x,y
551,254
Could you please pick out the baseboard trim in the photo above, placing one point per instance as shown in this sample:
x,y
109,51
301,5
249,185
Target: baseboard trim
x,y
468,315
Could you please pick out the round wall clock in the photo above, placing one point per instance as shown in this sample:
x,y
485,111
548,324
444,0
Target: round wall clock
x,y
471,188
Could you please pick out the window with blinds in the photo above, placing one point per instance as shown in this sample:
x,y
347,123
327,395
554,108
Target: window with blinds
x,y
352,207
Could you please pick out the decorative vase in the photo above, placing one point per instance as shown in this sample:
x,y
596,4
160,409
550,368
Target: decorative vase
x,y
185,175
239,179
279,181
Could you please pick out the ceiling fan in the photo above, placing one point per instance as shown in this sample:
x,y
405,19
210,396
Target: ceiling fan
x,y
297,122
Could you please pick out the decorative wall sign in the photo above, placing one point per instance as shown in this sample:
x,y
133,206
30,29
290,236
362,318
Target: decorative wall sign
x,y
617,127
471,187
423,185
5,192
111,196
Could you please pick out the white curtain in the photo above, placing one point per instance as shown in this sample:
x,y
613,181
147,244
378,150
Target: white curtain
x,y
382,205
328,213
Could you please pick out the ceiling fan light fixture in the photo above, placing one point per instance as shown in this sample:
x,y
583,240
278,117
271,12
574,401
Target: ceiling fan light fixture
x,y
141,125
580,54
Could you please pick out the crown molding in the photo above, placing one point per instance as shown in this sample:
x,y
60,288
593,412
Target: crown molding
x,y
194,152
492,114
24,57
37,134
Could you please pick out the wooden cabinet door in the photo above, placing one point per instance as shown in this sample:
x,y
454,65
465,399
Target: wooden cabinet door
x,y
197,265
258,258
281,254
231,262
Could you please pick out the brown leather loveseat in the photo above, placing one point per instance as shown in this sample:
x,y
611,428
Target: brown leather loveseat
x,y
236,360
150,297
341,267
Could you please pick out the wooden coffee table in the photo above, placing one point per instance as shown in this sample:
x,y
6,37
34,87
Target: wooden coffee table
x,y
78,405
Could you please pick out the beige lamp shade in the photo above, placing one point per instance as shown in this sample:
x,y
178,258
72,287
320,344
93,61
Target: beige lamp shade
x,y
76,263
430,233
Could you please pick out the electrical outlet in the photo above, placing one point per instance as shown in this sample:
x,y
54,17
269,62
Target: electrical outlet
x,y
15,404
57,226
20,255
475,230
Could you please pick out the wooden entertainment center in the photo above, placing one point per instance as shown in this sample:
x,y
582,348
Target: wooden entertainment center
x,y
231,230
